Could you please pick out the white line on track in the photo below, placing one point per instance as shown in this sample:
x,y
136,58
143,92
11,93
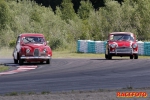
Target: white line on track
x,y
20,69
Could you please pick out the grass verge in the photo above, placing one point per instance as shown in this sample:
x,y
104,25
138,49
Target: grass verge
x,y
3,68
68,54
7,53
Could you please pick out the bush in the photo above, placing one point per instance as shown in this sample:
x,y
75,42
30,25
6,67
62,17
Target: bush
x,y
12,43
55,43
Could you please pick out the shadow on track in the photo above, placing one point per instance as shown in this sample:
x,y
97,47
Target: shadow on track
x,y
113,59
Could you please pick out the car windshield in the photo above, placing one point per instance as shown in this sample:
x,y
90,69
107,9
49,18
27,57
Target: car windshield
x,y
33,40
121,37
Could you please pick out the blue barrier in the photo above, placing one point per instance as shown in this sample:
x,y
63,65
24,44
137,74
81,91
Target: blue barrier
x,y
147,48
91,47
78,46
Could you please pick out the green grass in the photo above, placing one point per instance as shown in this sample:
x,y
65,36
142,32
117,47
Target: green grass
x,y
68,54
3,68
6,52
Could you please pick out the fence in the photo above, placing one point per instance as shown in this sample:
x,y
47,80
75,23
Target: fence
x,y
89,46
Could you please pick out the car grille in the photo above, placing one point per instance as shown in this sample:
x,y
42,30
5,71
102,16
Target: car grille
x,y
124,50
36,52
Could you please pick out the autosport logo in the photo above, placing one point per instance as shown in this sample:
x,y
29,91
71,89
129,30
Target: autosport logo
x,y
131,94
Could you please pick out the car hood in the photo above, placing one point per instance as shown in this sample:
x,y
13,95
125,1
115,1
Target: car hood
x,y
123,43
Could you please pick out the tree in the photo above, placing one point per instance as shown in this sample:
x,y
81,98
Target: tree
x,y
143,15
67,10
84,9
4,14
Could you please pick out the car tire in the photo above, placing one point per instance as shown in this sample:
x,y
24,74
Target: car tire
x,y
20,62
131,57
15,61
109,55
48,61
106,56
136,56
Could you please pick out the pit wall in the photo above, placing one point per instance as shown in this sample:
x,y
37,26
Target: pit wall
x,y
89,46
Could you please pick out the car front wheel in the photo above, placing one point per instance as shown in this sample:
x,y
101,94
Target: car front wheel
x,y
20,62
109,55
131,57
106,56
136,56
48,61
15,61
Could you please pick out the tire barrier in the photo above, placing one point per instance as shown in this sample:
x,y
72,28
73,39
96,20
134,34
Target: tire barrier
x,y
140,48
89,46
147,48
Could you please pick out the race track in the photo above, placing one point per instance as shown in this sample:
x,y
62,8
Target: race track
x,y
78,74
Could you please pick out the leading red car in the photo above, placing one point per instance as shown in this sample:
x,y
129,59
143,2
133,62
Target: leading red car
x,y
121,44
31,47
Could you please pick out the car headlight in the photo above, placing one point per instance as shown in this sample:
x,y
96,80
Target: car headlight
x,y
27,50
112,45
134,45
44,50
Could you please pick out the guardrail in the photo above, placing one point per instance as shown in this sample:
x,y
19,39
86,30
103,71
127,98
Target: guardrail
x,y
89,46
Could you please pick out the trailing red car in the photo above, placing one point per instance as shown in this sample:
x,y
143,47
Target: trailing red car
x,y
31,47
121,44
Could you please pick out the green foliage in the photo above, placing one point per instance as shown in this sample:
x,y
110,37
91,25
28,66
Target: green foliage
x,y
84,9
4,14
3,68
143,14
96,25
58,11
35,16
45,92
56,43
67,10
12,43
77,29
12,94
64,27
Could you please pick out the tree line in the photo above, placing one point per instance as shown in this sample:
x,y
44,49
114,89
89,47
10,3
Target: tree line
x,y
76,3
64,26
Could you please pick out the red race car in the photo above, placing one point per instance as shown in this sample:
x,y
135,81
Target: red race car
x,y
121,44
31,47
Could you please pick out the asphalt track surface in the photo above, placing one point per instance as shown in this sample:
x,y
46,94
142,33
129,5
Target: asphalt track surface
x,y
78,74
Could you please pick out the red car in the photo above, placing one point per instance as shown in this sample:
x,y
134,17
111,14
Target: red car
x,y
31,47
121,44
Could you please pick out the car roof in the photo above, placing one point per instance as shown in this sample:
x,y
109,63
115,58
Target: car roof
x,y
31,34
122,33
